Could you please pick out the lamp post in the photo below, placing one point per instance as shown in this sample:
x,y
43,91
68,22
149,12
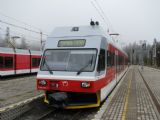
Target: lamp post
x,y
13,43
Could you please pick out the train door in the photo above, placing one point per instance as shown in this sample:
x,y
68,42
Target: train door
x,y
101,62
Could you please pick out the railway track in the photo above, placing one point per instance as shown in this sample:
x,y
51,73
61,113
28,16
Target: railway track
x,y
62,115
42,112
41,117
59,114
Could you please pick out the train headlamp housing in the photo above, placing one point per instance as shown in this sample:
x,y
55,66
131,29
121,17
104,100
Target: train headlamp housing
x,y
85,84
42,82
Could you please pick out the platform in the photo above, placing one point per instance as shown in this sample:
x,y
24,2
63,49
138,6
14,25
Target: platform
x,y
132,99
16,89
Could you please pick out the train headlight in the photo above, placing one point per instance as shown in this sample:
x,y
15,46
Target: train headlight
x,y
42,82
85,85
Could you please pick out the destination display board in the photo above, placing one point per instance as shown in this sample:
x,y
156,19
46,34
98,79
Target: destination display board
x,y
72,43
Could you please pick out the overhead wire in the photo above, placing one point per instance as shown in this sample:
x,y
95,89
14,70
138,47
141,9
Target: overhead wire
x,y
26,24
99,13
18,21
24,28
105,16
13,33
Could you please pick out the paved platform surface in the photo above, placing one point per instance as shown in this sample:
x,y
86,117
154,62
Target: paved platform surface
x,y
132,101
16,89
152,77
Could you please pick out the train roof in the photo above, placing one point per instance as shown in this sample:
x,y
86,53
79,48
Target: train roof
x,y
6,50
36,52
80,31
18,51
22,51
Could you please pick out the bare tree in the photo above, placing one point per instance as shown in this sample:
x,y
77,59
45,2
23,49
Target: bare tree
x,y
1,41
5,39
35,46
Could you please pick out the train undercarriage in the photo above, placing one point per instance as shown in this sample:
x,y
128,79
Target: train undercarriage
x,y
72,100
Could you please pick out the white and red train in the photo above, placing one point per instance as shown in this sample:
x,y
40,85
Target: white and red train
x,y
18,61
79,67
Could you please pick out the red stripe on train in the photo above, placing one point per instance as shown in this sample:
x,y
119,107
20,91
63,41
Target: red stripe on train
x,y
75,85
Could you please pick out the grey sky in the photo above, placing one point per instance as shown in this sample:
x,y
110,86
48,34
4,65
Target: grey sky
x,y
133,19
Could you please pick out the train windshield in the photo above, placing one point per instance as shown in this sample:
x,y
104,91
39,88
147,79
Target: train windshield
x,y
69,60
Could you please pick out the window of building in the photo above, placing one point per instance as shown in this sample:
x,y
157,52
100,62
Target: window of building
x,y
35,62
8,62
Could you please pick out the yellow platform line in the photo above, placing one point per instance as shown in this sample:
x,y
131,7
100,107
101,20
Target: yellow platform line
x,y
126,100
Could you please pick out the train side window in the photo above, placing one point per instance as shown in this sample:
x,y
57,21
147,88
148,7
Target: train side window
x,y
113,55
1,62
101,61
108,59
35,62
111,60
8,62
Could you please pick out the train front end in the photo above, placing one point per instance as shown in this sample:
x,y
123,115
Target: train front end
x,y
70,72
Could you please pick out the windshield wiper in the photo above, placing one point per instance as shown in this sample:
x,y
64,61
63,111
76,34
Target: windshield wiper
x,y
88,63
47,66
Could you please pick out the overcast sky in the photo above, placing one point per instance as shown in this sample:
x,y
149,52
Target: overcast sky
x,y
134,20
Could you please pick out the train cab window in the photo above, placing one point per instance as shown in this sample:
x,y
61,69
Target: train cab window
x,y
69,60
101,61
35,62
1,62
8,62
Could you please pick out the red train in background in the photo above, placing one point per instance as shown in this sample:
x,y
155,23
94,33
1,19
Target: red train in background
x,y
18,61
